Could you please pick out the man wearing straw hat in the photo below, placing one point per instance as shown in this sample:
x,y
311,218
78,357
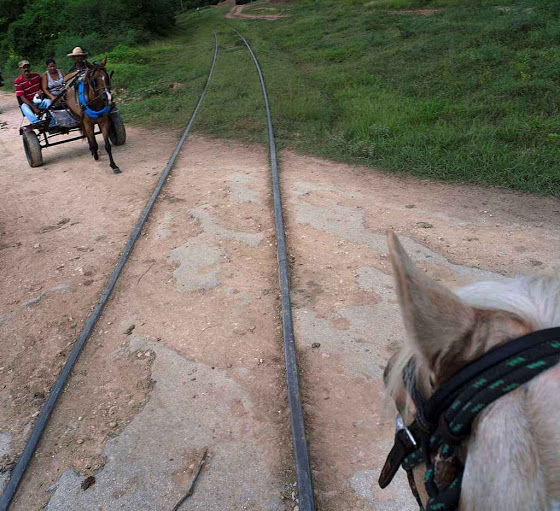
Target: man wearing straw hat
x,y
79,57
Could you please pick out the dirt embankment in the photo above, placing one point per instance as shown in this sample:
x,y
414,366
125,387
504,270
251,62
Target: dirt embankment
x,y
238,11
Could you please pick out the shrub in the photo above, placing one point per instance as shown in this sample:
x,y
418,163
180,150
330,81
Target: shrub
x,y
53,27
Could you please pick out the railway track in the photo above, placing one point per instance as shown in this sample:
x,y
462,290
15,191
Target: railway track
x,y
304,485
186,358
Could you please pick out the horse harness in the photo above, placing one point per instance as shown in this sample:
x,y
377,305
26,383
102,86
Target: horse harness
x,y
103,93
444,421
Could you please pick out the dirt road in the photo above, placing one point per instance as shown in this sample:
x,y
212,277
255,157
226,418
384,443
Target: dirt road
x,y
188,353
237,11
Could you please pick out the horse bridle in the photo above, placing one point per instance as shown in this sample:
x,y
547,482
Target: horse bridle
x,y
102,91
443,422
85,102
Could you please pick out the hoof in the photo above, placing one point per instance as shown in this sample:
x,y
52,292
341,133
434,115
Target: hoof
x,y
96,156
116,170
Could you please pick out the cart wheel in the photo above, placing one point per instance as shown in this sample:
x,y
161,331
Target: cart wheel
x,y
117,132
32,149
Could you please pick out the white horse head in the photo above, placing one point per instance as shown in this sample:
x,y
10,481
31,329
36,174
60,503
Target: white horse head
x,y
512,456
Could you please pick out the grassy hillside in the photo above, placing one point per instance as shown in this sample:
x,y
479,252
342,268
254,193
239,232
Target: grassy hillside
x,y
467,94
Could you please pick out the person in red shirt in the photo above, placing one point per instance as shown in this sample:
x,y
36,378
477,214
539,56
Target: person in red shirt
x,y
29,93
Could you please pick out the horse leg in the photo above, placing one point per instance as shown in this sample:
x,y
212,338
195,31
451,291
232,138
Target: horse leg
x,y
90,134
105,131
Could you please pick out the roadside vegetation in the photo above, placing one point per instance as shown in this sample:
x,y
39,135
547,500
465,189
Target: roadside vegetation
x,y
469,93
37,29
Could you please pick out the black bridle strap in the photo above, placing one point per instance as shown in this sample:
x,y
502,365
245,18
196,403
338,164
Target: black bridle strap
x,y
496,383
403,446
444,421
91,83
505,370
444,396
409,377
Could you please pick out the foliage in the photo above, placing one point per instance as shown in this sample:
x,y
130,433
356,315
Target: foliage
x,y
36,29
10,10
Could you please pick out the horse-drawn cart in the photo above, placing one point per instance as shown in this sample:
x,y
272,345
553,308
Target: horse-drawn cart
x,y
37,137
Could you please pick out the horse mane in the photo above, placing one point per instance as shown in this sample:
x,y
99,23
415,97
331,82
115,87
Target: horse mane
x,y
534,299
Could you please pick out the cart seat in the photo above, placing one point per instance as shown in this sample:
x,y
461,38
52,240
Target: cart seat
x,y
63,118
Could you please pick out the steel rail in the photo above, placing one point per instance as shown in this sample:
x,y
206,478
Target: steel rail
x,y
301,453
25,457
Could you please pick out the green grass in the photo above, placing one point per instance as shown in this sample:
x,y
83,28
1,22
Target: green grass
x,y
470,94
158,85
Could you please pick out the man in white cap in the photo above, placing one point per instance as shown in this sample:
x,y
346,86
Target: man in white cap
x,y
29,93
79,57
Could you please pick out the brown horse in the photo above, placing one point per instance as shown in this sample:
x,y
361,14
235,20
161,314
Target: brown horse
x,y
90,101
483,354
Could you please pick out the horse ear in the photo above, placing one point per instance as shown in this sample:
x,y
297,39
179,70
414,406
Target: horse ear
x,y
436,320
103,62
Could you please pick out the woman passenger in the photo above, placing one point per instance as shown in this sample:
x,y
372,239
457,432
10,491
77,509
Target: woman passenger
x,y
52,82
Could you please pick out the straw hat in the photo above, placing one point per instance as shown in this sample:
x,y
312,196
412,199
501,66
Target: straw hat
x,y
77,52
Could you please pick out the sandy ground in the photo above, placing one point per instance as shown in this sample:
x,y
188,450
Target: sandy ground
x,y
188,353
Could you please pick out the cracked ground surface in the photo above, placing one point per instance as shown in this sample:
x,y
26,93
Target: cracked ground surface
x,y
188,353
